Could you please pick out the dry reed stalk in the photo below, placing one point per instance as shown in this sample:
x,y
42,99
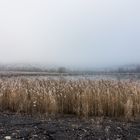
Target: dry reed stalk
x,y
80,97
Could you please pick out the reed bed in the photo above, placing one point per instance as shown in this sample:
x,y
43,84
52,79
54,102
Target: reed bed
x,y
84,97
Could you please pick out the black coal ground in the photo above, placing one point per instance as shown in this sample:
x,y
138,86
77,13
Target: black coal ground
x,y
23,127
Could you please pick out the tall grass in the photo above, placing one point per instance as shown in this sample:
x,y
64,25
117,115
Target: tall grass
x,y
79,97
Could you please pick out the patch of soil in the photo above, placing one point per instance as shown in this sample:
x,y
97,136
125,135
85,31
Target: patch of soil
x,y
20,127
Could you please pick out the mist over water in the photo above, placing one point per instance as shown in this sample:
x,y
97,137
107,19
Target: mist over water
x,y
74,34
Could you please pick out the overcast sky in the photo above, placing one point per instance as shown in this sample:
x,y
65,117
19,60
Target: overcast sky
x,y
76,33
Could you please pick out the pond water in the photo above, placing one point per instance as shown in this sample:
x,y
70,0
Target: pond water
x,y
101,76
96,77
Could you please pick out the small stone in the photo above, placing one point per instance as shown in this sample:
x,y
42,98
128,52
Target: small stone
x,y
119,128
7,137
118,139
35,136
107,129
14,134
85,130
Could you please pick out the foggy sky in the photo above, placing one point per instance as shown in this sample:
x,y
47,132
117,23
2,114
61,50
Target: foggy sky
x,y
76,33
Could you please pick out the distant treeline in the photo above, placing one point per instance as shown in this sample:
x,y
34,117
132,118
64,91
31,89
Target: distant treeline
x,y
135,69
33,69
132,69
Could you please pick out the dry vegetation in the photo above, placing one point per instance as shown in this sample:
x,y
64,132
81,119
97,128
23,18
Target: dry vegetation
x,y
79,97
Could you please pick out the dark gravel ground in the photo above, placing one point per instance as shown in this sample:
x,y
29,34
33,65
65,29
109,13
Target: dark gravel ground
x,y
22,127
